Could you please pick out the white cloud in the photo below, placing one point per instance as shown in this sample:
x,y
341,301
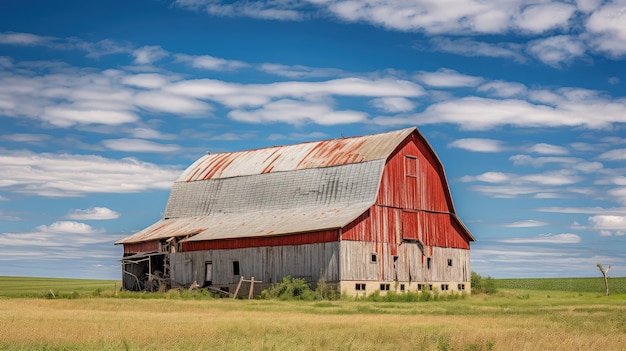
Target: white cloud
x,y
556,50
63,235
69,227
299,71
548,149
561,108
75,175
531,223
472,48
619,211
169,103
297,113
447,78
26,39
93,213
393,104
25,138
503,89
478,145
614,155
149,133
619,194
139,145
93,49
571,162
146,80
549,178
148,55
565,238
508,191
552,178
211,63
607,26
488,177
541,17
67,116
608,224
237,95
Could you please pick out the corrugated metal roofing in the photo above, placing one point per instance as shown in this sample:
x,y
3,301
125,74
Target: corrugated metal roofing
x,y
251,224
318,154
331,186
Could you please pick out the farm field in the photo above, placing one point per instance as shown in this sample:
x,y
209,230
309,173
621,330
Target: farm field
x,y
513,319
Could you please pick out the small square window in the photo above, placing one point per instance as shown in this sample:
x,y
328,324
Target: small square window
x,y
445,287
461,286
373,258
449,262
384,287
401,287
430,287
420,287
359,287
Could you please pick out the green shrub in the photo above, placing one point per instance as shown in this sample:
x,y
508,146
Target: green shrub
x,y
481,284
289,289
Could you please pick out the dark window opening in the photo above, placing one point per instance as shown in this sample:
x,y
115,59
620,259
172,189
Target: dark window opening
x,y
445,287
384,287
449,262
428,262
420,287
430,287
359,287
236,268
461,286
373,258
401,287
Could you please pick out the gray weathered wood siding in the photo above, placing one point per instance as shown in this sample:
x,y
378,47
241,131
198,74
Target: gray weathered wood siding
x,y
268,264
410,266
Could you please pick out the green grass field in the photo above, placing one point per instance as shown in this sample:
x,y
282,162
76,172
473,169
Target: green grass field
x,y
592,285
43,287
525,314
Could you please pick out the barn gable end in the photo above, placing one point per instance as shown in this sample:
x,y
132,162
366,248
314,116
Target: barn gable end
x,y
320,211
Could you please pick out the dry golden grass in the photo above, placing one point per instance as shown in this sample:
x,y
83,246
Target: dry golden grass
x,y
503,322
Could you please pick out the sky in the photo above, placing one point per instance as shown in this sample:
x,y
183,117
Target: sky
x,y
104,104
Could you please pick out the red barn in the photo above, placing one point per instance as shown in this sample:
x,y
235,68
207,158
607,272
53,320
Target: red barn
x,y
363,214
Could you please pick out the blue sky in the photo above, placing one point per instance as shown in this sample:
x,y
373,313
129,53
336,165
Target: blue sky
x,y
103,104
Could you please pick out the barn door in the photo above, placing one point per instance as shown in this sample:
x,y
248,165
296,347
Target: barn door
x,y
208,275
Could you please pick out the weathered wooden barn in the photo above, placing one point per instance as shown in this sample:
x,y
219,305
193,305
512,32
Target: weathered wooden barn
x,y
362,214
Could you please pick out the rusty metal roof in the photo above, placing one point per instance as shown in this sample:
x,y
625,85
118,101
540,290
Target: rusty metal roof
x,y
317,154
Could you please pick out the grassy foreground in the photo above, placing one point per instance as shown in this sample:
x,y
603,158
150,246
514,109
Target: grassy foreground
x,y
512,319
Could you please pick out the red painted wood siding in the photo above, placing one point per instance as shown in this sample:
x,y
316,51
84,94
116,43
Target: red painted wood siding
x,y
433,229
148,246
412,203
296,239
397,188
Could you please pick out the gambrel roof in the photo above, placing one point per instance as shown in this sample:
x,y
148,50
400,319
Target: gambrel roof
x,y
277,190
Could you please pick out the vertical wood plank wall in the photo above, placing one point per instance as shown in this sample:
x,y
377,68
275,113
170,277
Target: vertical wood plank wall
x,y
268,264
